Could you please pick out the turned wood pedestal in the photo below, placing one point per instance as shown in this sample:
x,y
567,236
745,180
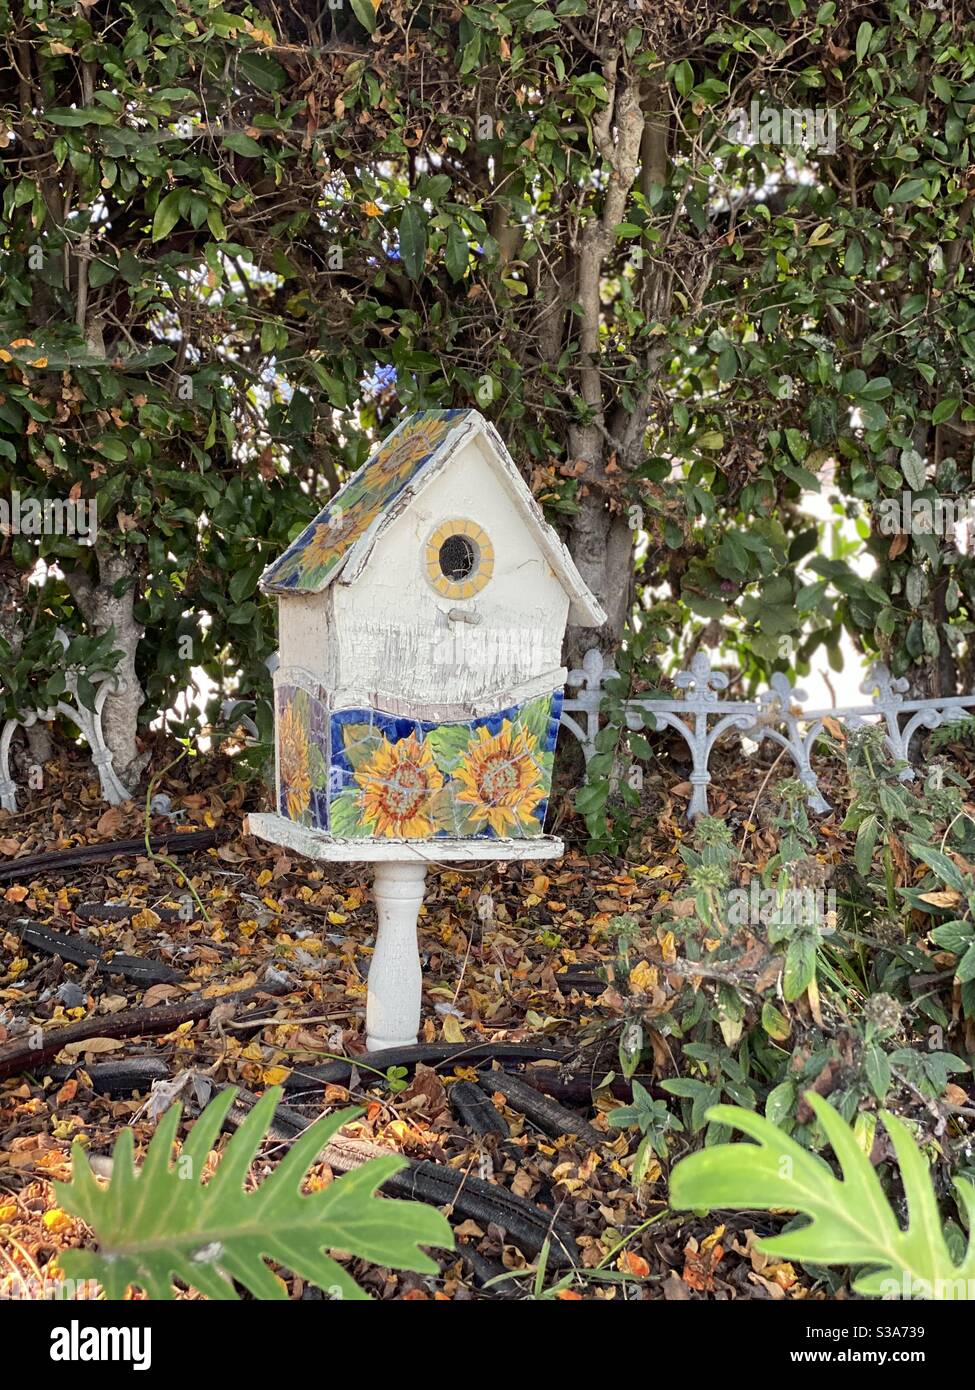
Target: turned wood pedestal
x,y
399,877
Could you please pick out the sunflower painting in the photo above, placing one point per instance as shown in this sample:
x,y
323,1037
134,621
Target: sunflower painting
x,y
317,552
397,778
302,725
330,539
398,785
502,779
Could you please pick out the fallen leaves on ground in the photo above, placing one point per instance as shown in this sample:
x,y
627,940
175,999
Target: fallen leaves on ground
x,y
500,945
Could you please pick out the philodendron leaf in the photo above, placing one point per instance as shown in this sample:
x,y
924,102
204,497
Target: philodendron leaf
x,y
162,1222
852,1222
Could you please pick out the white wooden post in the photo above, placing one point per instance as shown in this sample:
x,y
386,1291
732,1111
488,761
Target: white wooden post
x,y
399,874
393,1000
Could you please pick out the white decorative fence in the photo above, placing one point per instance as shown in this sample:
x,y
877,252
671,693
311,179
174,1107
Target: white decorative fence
x,y
701,718
89,721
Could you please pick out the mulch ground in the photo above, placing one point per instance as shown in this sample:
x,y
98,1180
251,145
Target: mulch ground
x,y
511,954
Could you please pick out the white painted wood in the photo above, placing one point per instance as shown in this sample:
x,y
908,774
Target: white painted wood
x,y
585,609
437,711
395,975
383,637
392,630
474,428
302,677
304,637
316,844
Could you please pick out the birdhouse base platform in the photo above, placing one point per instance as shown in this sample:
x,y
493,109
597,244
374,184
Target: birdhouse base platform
x,y
317,844
399,875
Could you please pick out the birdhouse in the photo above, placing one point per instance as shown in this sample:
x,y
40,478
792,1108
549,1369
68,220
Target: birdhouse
x,y
419,685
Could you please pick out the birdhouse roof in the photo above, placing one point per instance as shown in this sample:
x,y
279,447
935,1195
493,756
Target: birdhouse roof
x,y
337,544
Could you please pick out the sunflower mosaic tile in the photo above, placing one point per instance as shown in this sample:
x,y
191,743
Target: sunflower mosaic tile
x,y
398,778
313,557
302,724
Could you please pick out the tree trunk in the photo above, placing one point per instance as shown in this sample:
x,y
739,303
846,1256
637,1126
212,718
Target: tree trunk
x,y
601,543
109,603
40,744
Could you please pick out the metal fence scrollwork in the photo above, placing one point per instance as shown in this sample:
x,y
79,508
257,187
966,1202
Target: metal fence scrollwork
x,y
699,715
701,718
89,721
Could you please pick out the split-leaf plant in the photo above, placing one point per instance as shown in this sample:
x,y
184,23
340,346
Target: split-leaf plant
x,y
162,1223
851,1221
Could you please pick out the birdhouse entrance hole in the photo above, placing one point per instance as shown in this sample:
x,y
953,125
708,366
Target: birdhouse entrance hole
x,y
457,557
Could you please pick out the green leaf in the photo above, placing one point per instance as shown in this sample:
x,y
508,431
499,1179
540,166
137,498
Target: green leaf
x,y
448,743
908,192
262,70
243,581
800,967
365,14
821,235
853,260
591,798
162,1223
946,869
956,936
66,116
878,1071
644,1155
216,223
944,410
540,19
345,816
413,240
913,468
456,252
775,1022
864,35
710,439
534,718
360,742
242,144
851,1222
684,77
780,1101
113,449
167,215
877,389
727,363
865,843
966,967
